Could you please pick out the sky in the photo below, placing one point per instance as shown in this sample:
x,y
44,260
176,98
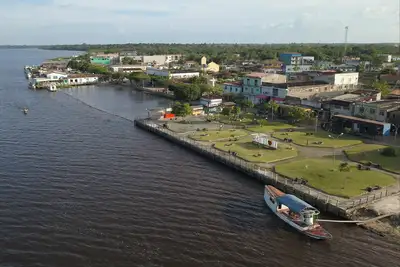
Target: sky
x,y
43,22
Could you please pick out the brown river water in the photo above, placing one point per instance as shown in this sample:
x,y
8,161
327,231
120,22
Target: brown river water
x,y
81,186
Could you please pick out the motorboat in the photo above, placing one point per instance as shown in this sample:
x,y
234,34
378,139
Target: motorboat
x,y
295,212
25,110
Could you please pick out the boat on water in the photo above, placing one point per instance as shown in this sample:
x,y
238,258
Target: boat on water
x,y
295,212
25,110
52,88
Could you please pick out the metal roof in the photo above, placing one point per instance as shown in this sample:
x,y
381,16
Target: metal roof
x,y
294,204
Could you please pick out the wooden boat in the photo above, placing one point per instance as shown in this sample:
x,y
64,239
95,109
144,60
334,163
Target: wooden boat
x,y
295,212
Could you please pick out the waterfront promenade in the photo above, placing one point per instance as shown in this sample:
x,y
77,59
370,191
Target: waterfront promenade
x,y
335,205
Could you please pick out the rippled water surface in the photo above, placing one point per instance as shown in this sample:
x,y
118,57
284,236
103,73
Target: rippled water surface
x,y
80,186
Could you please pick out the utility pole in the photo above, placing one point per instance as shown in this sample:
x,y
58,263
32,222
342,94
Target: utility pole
x,y
346,31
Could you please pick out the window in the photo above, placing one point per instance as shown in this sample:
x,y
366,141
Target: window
x,y
275,92
255,83
338,107
382,113
236,89
372,111
248,81
230,89
361,110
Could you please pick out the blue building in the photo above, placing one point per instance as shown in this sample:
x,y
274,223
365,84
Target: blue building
x,y
289,58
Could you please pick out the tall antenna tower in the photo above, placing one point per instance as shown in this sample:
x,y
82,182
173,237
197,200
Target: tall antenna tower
x,y
346,32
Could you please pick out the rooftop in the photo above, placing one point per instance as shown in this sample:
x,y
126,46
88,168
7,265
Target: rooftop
x,y
256,75
386,104
295,84
82,75
360,119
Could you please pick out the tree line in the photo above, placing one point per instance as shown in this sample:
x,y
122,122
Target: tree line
x,y
229,53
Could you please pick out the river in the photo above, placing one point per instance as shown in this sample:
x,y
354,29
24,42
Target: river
x,y
81,186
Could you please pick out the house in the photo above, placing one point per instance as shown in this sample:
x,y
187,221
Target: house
x,y
160,59
190,64
360,125
343,80
197,110
210,102
280,92
343,67
54,75
272,66
345,104
171,74
391,79
127,68
59,65
394,94
104,59
80,79
251,85
212,67
296,68
383,110
290,58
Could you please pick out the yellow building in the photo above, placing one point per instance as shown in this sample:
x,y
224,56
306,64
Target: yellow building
x,y
213,67
203,61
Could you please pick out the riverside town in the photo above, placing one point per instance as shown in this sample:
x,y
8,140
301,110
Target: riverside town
x,y
318,125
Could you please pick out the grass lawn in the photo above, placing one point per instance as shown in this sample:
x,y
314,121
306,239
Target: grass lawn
x,y
369,152
322,175
271,127
247,119
248,151
300,138
214,135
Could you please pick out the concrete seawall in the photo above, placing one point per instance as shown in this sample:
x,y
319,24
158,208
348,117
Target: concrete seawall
x,y
322,201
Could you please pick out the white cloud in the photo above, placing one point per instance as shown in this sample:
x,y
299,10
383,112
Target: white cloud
x,y
105,21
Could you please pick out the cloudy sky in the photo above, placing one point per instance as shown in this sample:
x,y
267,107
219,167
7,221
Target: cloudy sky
x,y
197,21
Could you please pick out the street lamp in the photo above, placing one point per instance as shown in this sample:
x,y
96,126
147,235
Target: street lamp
x,y
334,150
316,119
396,129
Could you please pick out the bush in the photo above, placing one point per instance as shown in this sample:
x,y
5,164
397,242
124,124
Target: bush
x,y
389,152
344,167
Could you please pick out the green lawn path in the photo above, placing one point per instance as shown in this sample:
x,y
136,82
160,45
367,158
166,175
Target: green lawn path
x,y
300,138
370,152
322,176
214,135
248,151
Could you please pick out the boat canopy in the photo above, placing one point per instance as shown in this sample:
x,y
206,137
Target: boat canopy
x,y
295,204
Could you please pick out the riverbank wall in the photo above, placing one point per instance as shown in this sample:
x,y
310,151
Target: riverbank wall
x,y
318,199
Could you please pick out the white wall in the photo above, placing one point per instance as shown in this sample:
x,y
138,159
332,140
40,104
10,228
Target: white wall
x,y
232,88
350,78
274,92
184,75
211,102
157,72
301,68
56,76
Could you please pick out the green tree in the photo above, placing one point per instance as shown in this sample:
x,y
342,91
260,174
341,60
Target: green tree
x,y
117,77
271,107
298,114
138,77
226,111
186,92
246,104
382,87
181,109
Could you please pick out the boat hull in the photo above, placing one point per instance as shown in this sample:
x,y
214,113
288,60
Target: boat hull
x,y
315,232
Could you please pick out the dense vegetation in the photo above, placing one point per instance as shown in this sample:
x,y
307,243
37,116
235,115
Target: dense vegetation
x,y
227,53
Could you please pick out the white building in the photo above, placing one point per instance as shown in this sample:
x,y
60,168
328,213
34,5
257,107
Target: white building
x,y
56,75
172,74
210,102
306,60
161,59
77,79
344,80
127,68
296,68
